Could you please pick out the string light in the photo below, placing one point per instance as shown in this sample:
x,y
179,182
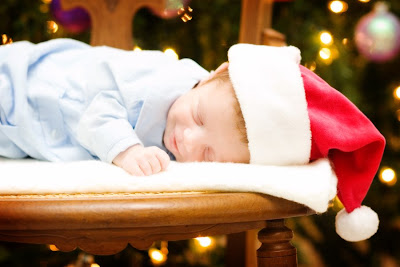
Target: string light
x,y
94,265
164,247
53,248
171,52
364,1
185,13
388,176
137,48
326,38
345,41
44,8
338,6
204,242
311,65
325,53
6,39
396,92
156,256
52,26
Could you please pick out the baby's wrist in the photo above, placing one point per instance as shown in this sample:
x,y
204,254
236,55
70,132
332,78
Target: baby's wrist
x,y
120,157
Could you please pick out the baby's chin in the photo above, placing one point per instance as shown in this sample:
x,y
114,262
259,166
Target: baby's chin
x,y
178,158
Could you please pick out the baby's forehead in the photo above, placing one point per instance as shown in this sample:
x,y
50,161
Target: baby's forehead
x,y
220,87
221,103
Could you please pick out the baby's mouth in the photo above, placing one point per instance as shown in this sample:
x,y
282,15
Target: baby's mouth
x,y
173,147
174,144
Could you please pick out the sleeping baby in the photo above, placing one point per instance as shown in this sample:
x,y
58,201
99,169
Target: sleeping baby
x,y
63,100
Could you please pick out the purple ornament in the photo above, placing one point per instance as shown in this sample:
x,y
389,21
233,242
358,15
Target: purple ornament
x,y
377,34
75,20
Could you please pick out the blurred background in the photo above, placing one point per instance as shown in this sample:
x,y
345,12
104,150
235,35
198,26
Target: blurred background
x,y
354,45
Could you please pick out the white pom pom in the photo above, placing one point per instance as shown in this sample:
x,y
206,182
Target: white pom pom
x,y
360,224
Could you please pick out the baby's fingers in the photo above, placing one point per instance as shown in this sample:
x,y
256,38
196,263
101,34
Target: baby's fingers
x,y
164,159
145,166
154,164
134,169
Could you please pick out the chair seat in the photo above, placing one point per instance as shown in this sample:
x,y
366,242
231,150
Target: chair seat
x,y
104,224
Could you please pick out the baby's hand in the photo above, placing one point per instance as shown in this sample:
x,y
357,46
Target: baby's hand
x,y
139,160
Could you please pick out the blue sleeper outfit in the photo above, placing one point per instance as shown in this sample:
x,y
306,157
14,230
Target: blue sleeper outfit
x,y
64,100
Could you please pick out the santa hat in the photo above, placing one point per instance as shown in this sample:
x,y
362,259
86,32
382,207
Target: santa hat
x,y
293,117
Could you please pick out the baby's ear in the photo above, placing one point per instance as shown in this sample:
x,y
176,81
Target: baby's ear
x,y
221,68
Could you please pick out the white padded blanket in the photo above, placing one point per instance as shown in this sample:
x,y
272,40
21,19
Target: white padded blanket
x,y
313,185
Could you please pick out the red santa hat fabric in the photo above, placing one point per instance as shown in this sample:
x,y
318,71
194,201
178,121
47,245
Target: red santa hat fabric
x,y
293,117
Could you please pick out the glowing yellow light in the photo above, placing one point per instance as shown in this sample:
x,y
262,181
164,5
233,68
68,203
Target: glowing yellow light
x,y
181,10
47,1
157,256
52,27
338,6
164,247
326,38
44,8
345,41
53,248
6,39
311,66
137,48
325,53
171,52
94,265
388,176
204,242
185,12
186,18
364,1
396,92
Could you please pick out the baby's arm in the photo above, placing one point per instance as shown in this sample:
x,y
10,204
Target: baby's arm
x,y
139,160
105,131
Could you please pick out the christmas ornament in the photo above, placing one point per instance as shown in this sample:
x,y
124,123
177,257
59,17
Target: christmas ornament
x,y
377,34
75,20
173,9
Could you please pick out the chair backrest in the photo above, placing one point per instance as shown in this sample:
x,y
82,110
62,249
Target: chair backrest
x,y
112,21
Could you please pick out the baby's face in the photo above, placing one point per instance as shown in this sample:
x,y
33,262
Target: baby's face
x,y
201,126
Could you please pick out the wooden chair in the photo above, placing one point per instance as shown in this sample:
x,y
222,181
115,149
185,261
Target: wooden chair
x,y
107,16
106,223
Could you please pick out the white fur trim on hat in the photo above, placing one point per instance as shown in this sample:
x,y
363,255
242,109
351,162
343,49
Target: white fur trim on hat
x,y
270,91
360,224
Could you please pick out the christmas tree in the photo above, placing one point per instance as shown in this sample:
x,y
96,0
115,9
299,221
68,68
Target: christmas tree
x,y
334,39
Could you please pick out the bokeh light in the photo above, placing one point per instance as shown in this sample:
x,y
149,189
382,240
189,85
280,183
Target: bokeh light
x,y
338,6
388,176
